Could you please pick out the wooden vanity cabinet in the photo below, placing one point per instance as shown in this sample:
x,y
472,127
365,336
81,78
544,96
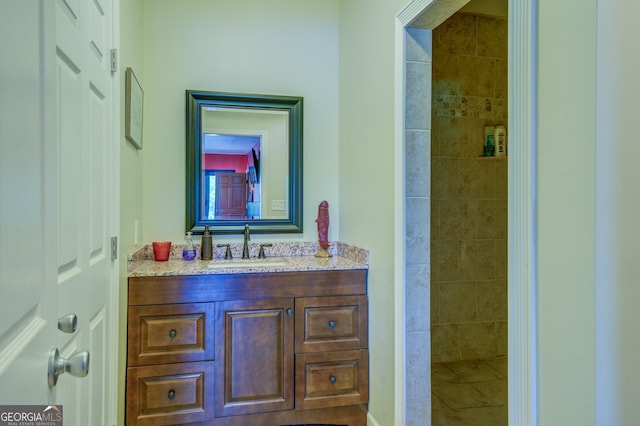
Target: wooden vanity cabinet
x,y
248,349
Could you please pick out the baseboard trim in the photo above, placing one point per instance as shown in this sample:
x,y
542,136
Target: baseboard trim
x,y
371,421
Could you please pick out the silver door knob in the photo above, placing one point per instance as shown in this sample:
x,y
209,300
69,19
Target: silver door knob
x,y
77,365
68,323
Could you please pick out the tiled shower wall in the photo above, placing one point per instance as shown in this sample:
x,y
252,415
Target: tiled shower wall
x,y
468,192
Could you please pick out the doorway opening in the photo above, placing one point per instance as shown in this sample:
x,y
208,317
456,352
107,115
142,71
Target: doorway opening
x,y
419,19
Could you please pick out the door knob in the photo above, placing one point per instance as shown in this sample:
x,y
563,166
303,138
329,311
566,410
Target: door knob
x,y
77,365
68,323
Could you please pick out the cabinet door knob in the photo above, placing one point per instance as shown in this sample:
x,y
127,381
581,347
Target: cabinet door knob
x,y
332,324
173,334
290,312
333,379
171,394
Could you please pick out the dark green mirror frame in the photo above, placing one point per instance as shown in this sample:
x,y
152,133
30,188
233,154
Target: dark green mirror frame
x,y
196,102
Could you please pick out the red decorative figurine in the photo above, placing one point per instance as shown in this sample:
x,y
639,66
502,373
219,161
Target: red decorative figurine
x,y
323,229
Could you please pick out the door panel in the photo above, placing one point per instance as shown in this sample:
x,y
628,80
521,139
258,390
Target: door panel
x,y
27,244
254,359
56,214
84,140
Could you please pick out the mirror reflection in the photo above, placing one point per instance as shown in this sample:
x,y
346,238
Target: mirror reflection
x,y
244,169
244,162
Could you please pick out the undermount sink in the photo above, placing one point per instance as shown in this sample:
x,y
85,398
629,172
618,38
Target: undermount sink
x,y
238,264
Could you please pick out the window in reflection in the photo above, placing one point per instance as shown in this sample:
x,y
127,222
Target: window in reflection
x,y
230,167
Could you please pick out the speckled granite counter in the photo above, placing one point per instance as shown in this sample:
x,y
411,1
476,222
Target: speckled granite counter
x,y
281,257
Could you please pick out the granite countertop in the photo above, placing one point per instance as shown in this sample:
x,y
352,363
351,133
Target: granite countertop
x,y
281,257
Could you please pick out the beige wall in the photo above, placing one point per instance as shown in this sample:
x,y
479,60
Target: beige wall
x,y
469,192
280,47
130,55
565,196
367,170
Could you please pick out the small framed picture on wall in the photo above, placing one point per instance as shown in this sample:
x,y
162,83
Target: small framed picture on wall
x,y
134,97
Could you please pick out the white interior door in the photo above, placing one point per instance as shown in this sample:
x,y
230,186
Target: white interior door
x,y
84,198
57,203
27,180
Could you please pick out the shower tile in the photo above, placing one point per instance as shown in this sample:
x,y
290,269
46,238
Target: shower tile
x,y
435,219
478,340
492,37
443,260
477,76
457,302
501,338
501,79
501,177
418,173
461,136
475,178
435,137
444,177
459,218
441,415
417,298
492,300
473,371
417,412
418,45
441,374
418,98
445,343
445,74
495,390
474,260
417,235
492,219
457,35
462,395
483,416
434,308
499,364
418,364
501,259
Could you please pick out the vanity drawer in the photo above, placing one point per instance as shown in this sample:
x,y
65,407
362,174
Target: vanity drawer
x,y
160,334
169,394
331,323
332,379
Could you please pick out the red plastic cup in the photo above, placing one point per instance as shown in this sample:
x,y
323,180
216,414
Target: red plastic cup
x,y
161,250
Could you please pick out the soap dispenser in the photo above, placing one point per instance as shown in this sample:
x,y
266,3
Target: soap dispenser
x,y
189,251
206,246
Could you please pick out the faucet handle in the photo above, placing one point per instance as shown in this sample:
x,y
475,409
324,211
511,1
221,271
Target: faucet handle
x,y
261,254
227,253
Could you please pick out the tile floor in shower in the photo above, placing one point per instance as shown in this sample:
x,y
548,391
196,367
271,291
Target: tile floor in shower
x,y
470,393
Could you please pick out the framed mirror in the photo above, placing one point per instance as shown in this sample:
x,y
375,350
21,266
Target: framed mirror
x,y
244,162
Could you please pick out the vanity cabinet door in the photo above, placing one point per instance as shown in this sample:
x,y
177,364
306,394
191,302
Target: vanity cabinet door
x,y
160,334
331,323
332,379
169,394
254,356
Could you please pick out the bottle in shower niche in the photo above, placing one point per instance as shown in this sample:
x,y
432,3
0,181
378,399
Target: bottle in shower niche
x,y
206,246
489,141
189,251
500,139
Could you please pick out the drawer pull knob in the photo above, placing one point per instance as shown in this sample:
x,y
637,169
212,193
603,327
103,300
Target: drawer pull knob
x,y
290,312
171,394
173,333
332,324
333,380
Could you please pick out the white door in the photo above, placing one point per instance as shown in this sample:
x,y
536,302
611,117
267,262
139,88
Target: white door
x,y
58,204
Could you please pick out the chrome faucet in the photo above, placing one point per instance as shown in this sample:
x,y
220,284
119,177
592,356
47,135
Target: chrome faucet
x,y
247,238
